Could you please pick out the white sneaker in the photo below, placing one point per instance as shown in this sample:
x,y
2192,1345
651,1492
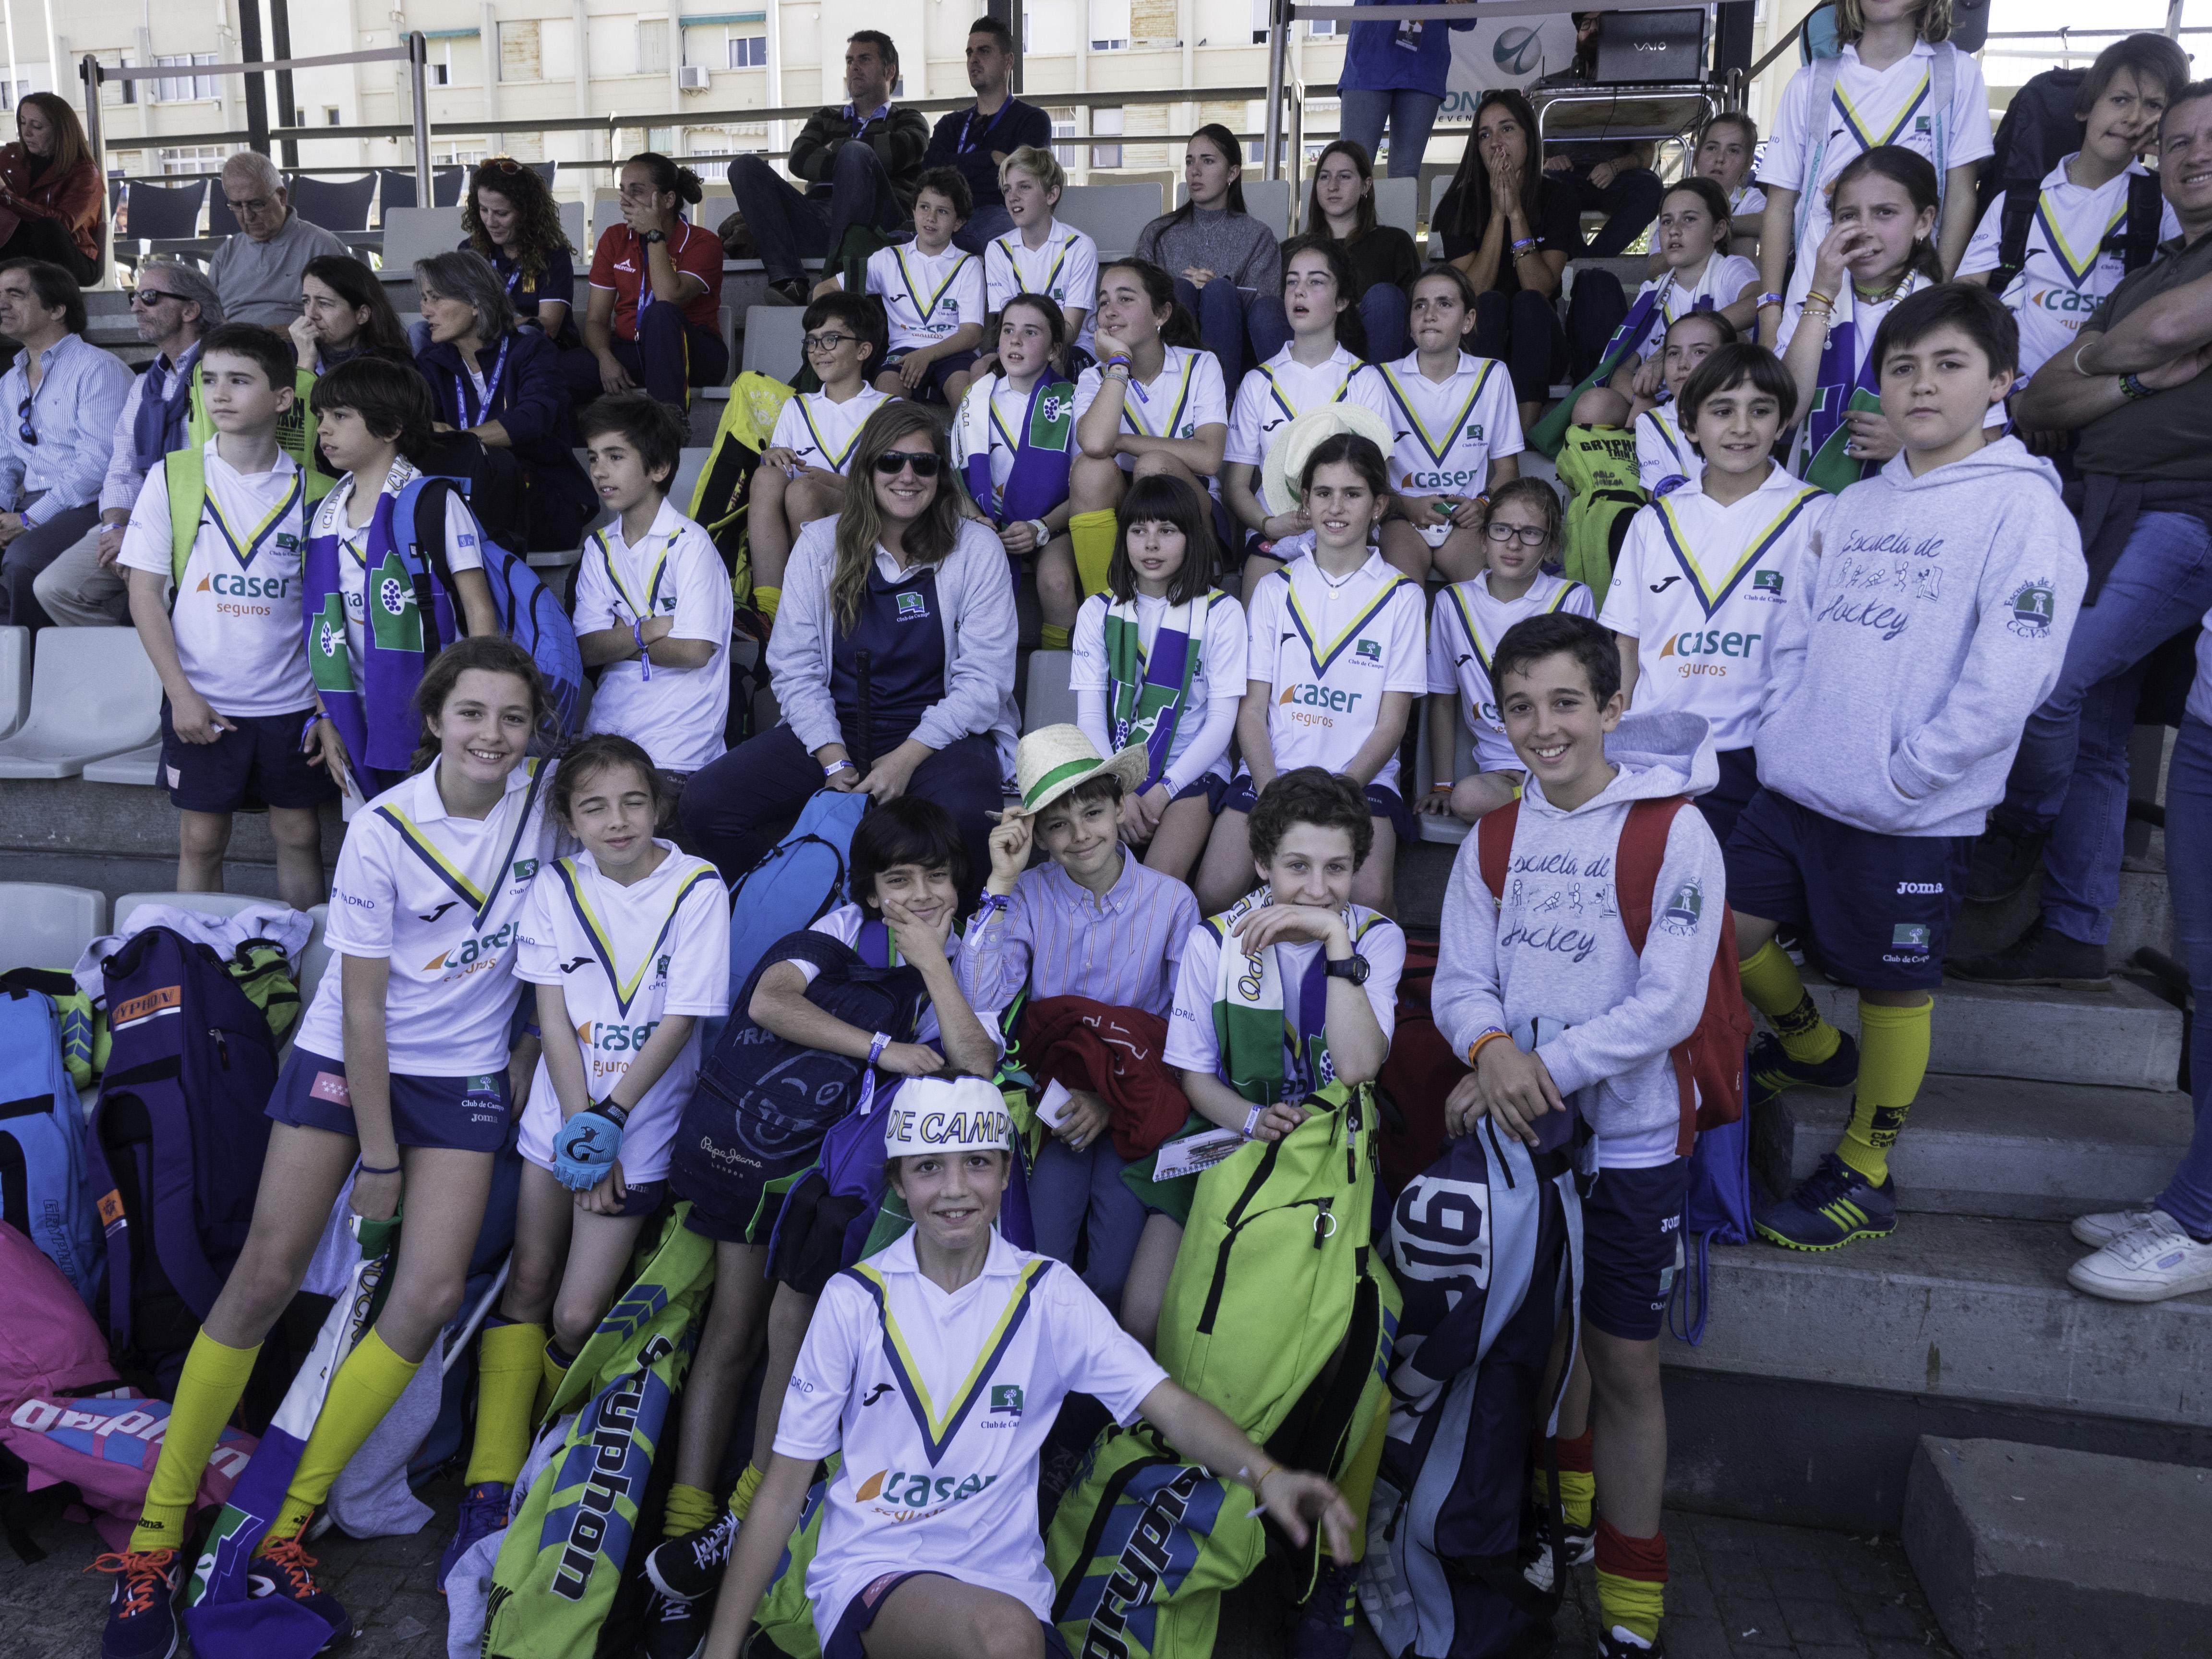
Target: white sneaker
x,y
2101,1229
2148,1263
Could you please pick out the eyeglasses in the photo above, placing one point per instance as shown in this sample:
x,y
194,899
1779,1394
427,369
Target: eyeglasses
x,y
1528,535
891,462
506,164
151,297
251,204
814,343
25,431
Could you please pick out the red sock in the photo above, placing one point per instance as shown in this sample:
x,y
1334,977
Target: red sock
x,y
1575,1453
1631,1580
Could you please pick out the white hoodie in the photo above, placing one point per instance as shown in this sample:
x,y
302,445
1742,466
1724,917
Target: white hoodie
x,y
1556,948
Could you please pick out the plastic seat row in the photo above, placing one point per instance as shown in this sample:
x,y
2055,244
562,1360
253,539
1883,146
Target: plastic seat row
x,y
49,925
92,696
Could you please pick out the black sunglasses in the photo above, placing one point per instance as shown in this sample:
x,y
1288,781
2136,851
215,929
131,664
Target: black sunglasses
x,y
151,297
892,461
23,428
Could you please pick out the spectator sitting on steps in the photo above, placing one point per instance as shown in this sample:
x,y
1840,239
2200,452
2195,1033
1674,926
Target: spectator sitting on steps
x,y
258,271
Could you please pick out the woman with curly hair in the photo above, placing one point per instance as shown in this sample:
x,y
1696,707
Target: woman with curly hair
x,y
512,219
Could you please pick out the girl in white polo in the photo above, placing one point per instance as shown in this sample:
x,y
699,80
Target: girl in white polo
x,y
936,1368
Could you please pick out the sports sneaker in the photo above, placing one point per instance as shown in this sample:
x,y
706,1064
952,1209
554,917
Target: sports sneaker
x,y
1325,1619
1619,1644
2041,956
2003,862
1832,1206
287,1570
2148,1263
2101,1229
483,1512
791,291
1772,1069
141,1608
690,1566
678,1629
1580,1549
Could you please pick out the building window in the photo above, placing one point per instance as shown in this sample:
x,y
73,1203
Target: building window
x,y
748,52
201,158
1107,121
331,115
1063,128
1322,26
183,89
653,45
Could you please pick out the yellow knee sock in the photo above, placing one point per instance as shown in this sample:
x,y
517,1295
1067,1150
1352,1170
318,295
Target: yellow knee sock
x,y
553,1368
741,1499
1772,984
371,1379
1892,1060
1577,1486
1093,536
1052,637
689,1508
207,1392
1631,1581
507,1382
765,600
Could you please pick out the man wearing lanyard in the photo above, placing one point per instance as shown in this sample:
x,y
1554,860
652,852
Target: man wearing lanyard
x,y
860,161
975,141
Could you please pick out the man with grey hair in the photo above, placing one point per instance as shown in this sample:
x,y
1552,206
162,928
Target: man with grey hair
x,y
258,271
175,306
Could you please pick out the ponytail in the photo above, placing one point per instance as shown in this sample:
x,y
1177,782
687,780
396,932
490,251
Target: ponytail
x,y
670,179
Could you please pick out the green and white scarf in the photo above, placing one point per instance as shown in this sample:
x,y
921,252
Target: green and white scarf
x,y
1148,692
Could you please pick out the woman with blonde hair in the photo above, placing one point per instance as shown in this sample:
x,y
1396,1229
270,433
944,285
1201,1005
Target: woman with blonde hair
x,y
50,195
892,658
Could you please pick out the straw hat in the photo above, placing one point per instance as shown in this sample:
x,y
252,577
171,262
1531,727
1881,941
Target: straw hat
x,y
1053,759
947,1114
1287,457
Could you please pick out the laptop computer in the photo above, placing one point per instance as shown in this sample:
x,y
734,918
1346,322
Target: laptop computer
x,y
1646,47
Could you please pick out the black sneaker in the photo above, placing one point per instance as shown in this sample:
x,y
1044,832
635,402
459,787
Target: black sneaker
x,y
678,1629
690,1566
2041,956
1618,1643
1580,1549
141,1608
2004,862
1771,1070
1325,1617
791,291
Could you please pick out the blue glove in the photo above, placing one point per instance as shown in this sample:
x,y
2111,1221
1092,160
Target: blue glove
x,y
585,1147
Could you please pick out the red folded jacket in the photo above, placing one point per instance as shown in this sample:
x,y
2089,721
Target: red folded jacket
x,y
1115,1053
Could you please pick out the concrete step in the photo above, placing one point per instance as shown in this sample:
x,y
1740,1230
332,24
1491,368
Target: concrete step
x,y
2144,916
2125,1038
2035,1553
1987,1146
1956,1309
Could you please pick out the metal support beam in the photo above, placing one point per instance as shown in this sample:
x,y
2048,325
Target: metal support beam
x,y
280,41
1010,14
256,93
418,75
1279,36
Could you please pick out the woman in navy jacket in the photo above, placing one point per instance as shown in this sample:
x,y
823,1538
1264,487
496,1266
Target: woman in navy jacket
x,y
503,383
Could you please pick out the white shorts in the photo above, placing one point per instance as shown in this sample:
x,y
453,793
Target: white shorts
x,y
646,1141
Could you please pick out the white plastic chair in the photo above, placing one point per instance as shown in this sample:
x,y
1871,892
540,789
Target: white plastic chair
x,y
94,694
142,767
1110,215
1397,202
15,677
773,334
1049,701
417,233
48,926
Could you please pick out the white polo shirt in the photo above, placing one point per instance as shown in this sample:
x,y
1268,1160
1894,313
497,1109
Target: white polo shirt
x,y
1065,271
1719,280
941,1403
1663,452
822,432
1186,395
1463,632
236,614
678,714
1278,391
625,959
926,296
1447,433
1702,589
2066,275
1327,651
441,899
1193,1046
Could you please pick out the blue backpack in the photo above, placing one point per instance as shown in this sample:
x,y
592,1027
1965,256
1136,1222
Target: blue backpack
x,y
797,882
175,1147
43,1192
529,614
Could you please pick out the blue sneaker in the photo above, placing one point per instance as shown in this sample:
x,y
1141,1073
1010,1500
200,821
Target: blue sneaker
x,y
483,1512
1324,1629
1832,1206
141,1608
1771,1070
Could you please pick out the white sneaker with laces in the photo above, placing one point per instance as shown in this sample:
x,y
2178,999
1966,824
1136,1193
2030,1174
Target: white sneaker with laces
x,y
2101,1229
2148,1263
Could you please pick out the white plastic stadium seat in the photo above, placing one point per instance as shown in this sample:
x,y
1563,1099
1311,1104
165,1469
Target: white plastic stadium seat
x,y
1268,200
417,233
142,767
93,694
1397,202
314,957
15,677
572,227
773,334
1110,215
688,469
48,926
606,210
1050,702
715,206
1446,828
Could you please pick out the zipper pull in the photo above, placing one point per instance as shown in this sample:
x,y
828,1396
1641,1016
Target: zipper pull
x,y
1321,1221
221,1046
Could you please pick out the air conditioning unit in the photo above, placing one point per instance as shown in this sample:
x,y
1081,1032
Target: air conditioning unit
x,y
691,77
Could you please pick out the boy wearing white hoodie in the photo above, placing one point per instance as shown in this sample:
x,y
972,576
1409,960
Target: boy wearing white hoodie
x,y
1539,988
1930,624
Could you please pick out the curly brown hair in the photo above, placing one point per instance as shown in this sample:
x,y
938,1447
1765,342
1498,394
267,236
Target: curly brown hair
x,y
537,216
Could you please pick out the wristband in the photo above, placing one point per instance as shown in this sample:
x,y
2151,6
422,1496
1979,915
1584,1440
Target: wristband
x,y
993,902
1814,294
2131,386
1254,1480
370,1168
1444,783
2078,369
837,766
1044,531
644,660
530,1029
1252,1120
877,1044
318,715
1524,244
1474,1048
1766,299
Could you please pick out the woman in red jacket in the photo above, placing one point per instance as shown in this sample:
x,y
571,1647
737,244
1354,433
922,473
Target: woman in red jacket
x,y
51,204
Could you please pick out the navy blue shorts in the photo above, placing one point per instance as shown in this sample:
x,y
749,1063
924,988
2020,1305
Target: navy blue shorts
x,y
1632,1248
467,1114
1382,802
259,763
1875,911
934,379
1210,787
861,1611
1723,804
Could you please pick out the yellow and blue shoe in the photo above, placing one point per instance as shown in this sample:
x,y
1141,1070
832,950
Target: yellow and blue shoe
x,y
1771,1070
1832,1206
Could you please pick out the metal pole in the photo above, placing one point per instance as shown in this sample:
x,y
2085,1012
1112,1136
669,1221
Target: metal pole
x,y
15,82
1278,35
95,138
256,92
2174,20
1005,11
419,58
280,38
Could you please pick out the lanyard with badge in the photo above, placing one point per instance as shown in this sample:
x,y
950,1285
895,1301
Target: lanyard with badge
x,y
491,387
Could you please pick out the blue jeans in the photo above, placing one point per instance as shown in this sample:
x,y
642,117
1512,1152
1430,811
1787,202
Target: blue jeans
x,y
1411,115
791,228
1225,319
1383,309
2188,1196
2070,776
989,221
1071,1191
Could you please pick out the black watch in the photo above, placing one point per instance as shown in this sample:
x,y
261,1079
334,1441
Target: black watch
x,y
1353,968
652,236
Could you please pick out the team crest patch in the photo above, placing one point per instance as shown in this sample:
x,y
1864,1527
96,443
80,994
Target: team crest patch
x,y
1682,912
2033,605
1007,1397
912,606
1766,581
1908,936
525,868
1370,651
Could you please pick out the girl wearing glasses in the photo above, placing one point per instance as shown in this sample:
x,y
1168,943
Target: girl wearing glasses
x,y
892,658
1521,537
512,219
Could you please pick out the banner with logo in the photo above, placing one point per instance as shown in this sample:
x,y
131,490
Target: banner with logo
x,y
1511,51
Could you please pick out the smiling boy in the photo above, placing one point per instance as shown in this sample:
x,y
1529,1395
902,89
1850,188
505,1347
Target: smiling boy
x,y
1931,625
933,296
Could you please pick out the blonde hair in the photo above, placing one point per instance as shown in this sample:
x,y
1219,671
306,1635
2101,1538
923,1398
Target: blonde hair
x,y
1040,165
1935,20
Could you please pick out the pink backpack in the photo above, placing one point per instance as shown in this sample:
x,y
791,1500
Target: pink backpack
x,y
48,1342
